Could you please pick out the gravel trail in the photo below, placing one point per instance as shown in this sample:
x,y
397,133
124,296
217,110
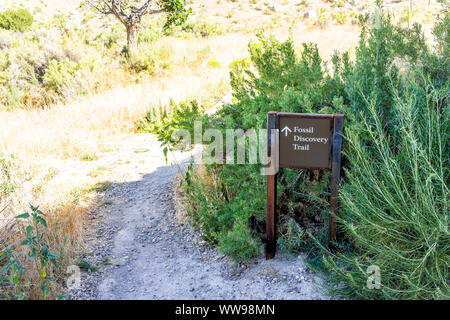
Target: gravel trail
x,y
147,254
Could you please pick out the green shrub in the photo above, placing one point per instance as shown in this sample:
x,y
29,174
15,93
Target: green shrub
x,y
13,283
224,213
59,20
239,242
152,58
13,96
17,20
395,209
165,121
60,75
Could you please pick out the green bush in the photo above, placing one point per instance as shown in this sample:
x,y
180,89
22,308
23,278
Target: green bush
x,y
17,20
7,183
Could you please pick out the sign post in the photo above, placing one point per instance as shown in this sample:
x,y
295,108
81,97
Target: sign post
x,y
302,141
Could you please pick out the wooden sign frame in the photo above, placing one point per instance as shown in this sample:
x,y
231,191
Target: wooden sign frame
x,y
336,127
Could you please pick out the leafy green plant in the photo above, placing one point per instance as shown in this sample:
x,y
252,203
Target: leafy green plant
x,y
60,75
59,21
17,20
394,199
292,240
395,195
228,209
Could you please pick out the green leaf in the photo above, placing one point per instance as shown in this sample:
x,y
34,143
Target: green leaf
x,y
40,220
23,216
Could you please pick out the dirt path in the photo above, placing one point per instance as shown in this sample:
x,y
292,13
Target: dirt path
x,y
151,256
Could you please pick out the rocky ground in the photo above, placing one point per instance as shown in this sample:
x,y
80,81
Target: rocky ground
x,y
143,252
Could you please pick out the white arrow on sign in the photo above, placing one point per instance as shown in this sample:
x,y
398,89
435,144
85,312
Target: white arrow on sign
x,y
285,130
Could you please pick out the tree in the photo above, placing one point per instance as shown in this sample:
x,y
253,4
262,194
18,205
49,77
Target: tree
x,y
130,13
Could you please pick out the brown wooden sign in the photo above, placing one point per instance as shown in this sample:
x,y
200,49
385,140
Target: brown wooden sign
x,y
302,141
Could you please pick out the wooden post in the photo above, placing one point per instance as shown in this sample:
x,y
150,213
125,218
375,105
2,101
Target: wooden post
x,y
272,153
335,174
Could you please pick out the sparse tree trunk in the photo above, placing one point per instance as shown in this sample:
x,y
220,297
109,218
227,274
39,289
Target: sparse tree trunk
x,y
132,37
